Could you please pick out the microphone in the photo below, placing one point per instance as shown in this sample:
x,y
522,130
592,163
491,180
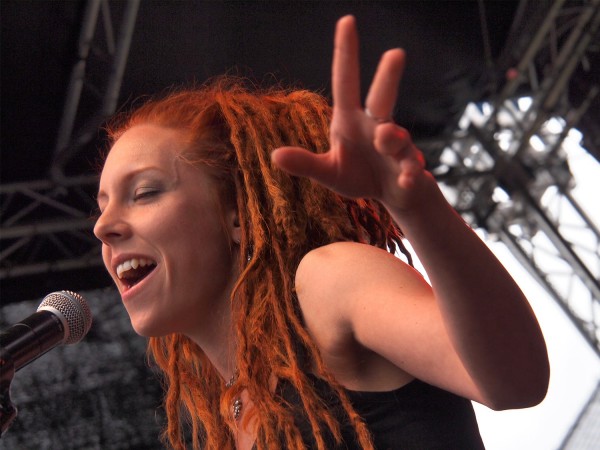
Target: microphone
x,y
62,318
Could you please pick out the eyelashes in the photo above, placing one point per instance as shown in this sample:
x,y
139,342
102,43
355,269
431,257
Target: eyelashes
x,y
145,192
140,194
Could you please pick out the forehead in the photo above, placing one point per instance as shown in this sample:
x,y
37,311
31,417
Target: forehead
x,y
144,143
141,147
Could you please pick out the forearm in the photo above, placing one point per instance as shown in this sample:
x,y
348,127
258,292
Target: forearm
x,y
487,317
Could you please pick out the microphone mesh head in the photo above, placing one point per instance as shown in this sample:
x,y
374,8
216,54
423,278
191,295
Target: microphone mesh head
x,y
75,311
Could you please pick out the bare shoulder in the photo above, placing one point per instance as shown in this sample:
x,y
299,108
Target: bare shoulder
x,y
345,254
328,267
330,277
343,266
335,284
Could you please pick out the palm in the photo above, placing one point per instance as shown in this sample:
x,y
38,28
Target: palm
x,y
351,167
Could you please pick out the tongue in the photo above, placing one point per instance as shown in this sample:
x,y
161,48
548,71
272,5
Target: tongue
x,y
134,276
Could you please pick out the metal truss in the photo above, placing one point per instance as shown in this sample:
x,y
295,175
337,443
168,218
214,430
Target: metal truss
x,y
45,225
505,169
585,432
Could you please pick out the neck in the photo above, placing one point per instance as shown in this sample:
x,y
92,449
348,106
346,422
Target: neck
x,y
216,337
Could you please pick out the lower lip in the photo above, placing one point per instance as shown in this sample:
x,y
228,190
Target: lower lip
x,y
131,292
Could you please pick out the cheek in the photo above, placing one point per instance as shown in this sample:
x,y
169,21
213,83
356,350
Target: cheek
x,y
203,227
191,239
208,250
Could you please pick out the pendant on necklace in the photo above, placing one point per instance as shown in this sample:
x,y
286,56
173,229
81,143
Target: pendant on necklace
x,y
237,403
237,408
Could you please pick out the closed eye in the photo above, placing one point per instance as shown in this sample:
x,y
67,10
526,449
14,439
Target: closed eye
x,y
145,192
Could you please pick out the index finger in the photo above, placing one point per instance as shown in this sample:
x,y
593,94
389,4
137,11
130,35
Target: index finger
x,y
345,72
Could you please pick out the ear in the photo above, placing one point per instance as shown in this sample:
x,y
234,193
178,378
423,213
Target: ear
x,y
235,230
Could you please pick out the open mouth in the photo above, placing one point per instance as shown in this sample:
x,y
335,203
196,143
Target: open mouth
x,y
132,271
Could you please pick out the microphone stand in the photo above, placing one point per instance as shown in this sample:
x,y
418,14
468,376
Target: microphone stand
x,y
8,411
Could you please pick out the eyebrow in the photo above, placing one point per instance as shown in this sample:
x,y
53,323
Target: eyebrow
x,y
102,195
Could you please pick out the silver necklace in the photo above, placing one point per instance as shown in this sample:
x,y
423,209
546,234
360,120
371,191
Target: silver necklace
x,y
237,403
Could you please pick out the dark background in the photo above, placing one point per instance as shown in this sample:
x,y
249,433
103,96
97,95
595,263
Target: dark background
x,y
100,394
181,42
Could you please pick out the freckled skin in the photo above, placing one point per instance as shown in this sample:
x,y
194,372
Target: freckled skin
x,y
159,207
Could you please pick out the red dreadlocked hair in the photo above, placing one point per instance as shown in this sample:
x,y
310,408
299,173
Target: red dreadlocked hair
x,y
233,129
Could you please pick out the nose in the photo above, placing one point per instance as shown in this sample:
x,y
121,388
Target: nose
x,y
111,226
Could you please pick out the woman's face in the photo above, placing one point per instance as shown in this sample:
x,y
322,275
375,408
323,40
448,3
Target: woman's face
x,y
165,241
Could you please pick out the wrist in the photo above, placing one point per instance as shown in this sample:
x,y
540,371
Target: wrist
x,y
421,200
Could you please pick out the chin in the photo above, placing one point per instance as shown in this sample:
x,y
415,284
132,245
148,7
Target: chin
x,y
145,329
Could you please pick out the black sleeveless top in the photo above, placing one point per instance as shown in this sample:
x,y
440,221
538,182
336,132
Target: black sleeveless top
x,y
416,416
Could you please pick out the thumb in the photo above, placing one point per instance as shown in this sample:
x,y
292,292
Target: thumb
x,y
300,162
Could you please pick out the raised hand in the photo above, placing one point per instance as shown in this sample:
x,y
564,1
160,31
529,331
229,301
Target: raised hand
x,y
370,156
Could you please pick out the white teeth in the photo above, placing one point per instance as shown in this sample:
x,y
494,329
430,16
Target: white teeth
x,y
133,263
